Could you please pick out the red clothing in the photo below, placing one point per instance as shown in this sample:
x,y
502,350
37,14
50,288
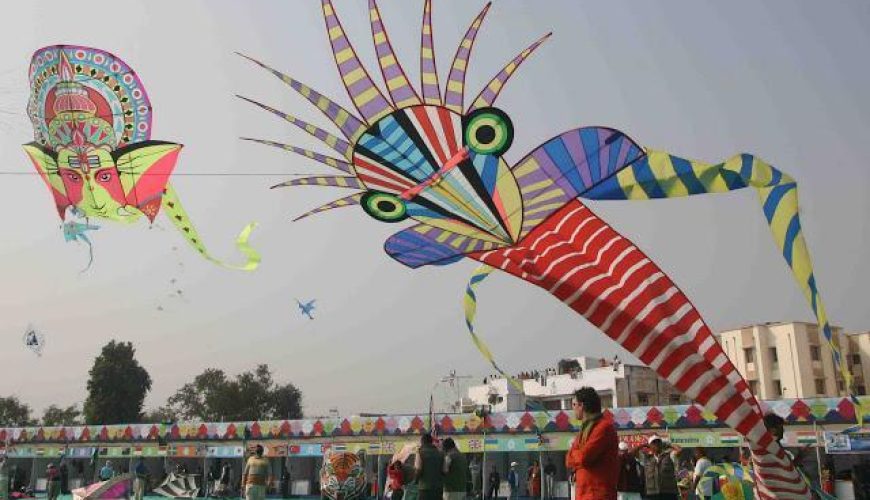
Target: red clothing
x,y
395,475
595,462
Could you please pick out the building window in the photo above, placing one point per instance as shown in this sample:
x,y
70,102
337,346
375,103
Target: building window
x,y
642,399
675,399
856,359
840,386
753,387
749,354
820,386
774,359
777,388
815,353
861,390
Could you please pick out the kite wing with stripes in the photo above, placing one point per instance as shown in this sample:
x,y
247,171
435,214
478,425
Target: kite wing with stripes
x,y
117,487
178,486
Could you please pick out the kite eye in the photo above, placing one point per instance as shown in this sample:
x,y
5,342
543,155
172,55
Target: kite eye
x,y
488,131
104,176
384,207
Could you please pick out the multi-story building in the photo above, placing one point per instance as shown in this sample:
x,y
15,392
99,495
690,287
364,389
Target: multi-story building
x,y
793,360
618,384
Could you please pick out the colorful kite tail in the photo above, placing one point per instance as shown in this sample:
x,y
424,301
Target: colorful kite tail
x,y
603,276
662,175
176,213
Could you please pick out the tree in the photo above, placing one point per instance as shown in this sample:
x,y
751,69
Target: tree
x,y
55,415
15,413
159,415
251,395
117,386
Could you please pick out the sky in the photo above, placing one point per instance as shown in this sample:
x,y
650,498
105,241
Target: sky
x,y
701,80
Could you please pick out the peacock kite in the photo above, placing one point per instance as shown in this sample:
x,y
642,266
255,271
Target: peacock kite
x,y
92,143
439,161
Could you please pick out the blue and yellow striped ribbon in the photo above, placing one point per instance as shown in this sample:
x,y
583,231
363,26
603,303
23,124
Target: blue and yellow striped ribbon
x,y
662,175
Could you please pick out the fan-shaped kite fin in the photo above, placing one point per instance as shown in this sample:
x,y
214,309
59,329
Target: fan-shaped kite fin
x,y
351,127
347,201
339,145
180,219
662,175
326,160
324,180
428,68
490,92
366,97
422,244
568,165
401,91
455,92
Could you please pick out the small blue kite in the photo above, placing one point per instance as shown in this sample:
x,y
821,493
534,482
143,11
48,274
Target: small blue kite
x,y
306,308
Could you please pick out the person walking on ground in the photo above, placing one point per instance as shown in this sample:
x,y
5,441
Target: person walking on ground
x,y
107,472
494,481
660,469
630,485
52,485
140,482
533,478
455,470
594,453
513,479
429,464
704,489
549,478
255,475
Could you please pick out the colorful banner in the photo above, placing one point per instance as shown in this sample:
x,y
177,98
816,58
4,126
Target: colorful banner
x,y
858,442
828,411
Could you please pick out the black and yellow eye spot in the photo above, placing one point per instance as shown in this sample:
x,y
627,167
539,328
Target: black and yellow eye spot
x,y
488,131
384,207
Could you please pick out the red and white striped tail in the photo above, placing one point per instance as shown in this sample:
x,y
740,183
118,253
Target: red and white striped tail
x,y
603,276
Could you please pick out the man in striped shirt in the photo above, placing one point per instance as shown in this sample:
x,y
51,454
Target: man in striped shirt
x,y
255,475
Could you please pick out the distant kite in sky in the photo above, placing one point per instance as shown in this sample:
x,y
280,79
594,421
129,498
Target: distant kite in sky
x,y
429,157
34,340
307,308
92,129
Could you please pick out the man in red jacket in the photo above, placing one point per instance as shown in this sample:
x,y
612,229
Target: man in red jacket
x,y
594,454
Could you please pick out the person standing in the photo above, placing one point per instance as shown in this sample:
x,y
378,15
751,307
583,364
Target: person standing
x,y
107,472
704,489
594,454
629,486
4,479
255,475
549,478
513,479
660,470
140,482
396,483
534,479
52,485
429,464
494,480
476,478
455,470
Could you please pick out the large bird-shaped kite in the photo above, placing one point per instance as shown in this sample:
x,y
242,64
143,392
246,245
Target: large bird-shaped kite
x,y
432,158
92,129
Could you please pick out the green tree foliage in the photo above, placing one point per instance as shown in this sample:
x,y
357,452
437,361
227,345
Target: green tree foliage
x,y
55,415
252,395
159,415
117,386
14,413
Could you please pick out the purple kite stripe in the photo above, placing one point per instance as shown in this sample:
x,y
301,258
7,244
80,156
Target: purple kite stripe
x,y
374,107
574,145
392,71
604,152
403,93
546,163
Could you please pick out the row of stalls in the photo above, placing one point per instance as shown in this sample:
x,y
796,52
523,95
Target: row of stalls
x,y
296,463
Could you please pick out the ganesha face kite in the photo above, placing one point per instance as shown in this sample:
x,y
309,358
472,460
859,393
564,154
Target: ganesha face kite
x,y
427,157
92,129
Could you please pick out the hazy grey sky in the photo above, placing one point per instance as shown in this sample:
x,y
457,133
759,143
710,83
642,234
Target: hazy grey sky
x,y
786,81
